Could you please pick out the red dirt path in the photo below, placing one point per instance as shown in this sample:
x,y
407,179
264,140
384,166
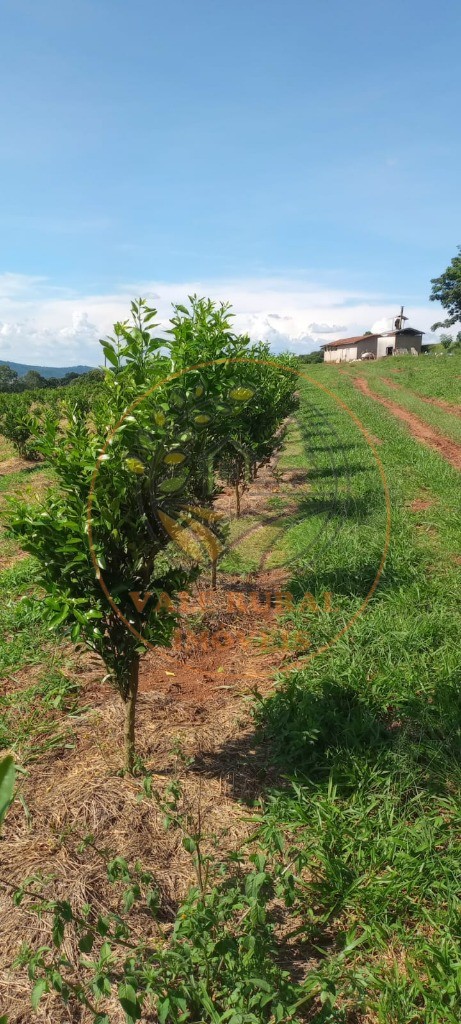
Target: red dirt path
x,y
448,449
440,403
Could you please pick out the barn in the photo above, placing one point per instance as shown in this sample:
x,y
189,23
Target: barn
x,y
389,337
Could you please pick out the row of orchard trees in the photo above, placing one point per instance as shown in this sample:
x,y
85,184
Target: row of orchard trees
x,y
137,467
21,413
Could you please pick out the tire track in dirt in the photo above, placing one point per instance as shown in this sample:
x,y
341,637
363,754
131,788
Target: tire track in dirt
x,y
432,438
440,403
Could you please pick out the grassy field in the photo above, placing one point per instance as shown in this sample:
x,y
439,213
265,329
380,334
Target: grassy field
x,y
351,750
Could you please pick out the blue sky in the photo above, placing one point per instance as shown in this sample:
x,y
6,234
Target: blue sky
x,y
300,158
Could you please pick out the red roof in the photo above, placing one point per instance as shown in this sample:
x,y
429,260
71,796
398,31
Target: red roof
x,y
350,341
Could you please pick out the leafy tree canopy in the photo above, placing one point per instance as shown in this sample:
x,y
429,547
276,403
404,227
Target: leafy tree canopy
x,y
311,357
446,289
8,378
33,379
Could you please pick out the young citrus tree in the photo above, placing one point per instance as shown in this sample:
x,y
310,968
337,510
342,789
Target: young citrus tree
x,y
129,521
108,564
19,424
246,392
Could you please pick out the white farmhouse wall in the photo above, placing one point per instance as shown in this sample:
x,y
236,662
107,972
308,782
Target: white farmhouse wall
x,y
384,341
340,355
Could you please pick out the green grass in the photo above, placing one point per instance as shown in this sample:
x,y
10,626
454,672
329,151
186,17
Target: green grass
x,y
432,376
368,736
441,419
25,481
32,718
32,708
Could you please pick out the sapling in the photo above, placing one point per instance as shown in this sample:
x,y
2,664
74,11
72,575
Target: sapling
x,y
112,538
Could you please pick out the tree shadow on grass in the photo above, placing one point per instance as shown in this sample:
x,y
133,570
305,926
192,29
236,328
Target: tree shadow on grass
x,y
330,447
354,581
297,731
328,731
244,765
334,471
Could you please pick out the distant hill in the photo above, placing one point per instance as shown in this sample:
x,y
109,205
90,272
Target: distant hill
x,y
45,371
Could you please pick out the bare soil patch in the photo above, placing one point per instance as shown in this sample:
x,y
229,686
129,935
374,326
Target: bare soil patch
x,y
392,383
422,503
374,439
7,561
15,465
219,648
428,435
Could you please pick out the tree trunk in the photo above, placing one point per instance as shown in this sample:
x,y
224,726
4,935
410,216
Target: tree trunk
x,y
237,498
130,716
213,574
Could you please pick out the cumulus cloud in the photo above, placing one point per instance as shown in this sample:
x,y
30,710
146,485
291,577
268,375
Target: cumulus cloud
x,y
326,328
54,326
27,341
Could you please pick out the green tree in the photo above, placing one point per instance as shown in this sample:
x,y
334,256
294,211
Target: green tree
x,y
19,424
446,289
449,343
8,378
151,429
109,593
33,379
125,544
311,357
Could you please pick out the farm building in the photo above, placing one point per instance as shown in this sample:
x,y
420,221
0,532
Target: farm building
x,y
388,337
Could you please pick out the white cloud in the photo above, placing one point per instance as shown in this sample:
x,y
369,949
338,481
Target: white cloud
x,y
48,325
326,328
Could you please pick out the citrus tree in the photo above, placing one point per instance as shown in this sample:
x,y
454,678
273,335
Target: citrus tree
x,y
19,424
107,562
245,391
129,522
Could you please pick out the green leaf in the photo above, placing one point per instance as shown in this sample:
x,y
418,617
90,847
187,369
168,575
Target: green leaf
x,y
173,484
261,984
58,931
7,780
39,988
128,900
129,1002
86,943
105,952
163,1010
110,354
